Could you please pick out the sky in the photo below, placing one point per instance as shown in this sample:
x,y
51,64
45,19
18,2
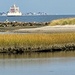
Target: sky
x,y
48,6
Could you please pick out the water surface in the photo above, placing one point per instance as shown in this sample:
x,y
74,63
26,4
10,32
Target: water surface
x,y
40,18
59,63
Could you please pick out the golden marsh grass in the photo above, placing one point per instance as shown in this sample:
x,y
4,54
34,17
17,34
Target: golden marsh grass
x,y
35,40
64,21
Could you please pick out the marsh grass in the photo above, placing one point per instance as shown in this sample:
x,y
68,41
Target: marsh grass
x,y
64,21
35,40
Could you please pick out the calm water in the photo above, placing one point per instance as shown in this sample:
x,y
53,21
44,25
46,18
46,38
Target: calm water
x,y
45,18
61,63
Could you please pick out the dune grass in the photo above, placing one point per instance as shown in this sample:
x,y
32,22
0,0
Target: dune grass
x,y
35,40
63,21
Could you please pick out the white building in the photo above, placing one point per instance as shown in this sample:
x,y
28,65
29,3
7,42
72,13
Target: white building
x,y
14,11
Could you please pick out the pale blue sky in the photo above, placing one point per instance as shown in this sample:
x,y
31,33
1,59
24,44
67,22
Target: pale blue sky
x,y
48,6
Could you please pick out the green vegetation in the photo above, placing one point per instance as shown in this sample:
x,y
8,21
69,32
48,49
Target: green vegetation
x,y
64,21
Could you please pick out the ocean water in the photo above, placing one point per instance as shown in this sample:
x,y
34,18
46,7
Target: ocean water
x,y
40,18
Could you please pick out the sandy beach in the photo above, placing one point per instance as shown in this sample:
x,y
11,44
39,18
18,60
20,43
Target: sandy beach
x,y
47,29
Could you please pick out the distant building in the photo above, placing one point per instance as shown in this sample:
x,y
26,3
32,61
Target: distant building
x,y
14,11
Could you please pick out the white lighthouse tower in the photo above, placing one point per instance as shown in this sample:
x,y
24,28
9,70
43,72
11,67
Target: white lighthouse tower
x,y
14,11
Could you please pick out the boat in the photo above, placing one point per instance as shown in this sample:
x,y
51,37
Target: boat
x,y
14,11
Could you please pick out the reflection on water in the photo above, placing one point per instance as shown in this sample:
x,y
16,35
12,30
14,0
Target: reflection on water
x,y
58,63
38,55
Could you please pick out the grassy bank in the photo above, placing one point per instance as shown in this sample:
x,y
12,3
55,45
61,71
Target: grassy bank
x,y
36,42
64,21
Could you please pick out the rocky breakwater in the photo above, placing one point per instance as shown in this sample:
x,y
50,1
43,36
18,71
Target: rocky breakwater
x,y
52,48
22,24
